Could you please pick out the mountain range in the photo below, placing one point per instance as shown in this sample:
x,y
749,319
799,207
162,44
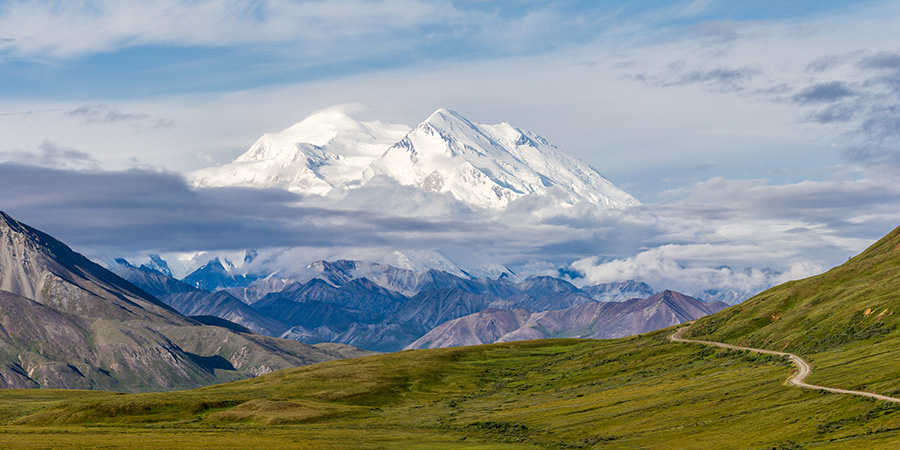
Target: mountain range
x,y
66,322
446,167
384,308
593,320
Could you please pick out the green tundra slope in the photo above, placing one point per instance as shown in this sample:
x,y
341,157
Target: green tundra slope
x,y
844,322
632,393
641,392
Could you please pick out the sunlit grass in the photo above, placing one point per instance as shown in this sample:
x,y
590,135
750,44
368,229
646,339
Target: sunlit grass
x,y
642,392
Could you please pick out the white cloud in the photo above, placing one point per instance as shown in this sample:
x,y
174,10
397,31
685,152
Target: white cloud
x,y
66,29
705,102
690,269
696,7
718,234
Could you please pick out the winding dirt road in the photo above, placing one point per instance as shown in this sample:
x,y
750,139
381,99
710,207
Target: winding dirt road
x,y
798,379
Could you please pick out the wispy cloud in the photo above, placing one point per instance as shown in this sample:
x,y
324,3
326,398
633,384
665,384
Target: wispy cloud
x,y
848,89
51,155
696,7
824,93
67,29
716,79
748,235
881,61
102,114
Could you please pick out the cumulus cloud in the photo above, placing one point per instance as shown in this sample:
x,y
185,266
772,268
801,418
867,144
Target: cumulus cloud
x,y
682,268
747,235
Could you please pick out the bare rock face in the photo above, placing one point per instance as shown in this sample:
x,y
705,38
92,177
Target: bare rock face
x,y
39,267
66,322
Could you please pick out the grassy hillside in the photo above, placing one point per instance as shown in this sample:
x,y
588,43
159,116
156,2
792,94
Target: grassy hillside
x,y
845,321
641,392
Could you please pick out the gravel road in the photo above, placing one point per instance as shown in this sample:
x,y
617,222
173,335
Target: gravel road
x,y
799,379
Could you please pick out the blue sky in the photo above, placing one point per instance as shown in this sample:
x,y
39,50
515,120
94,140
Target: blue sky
x,y
153,52
771,127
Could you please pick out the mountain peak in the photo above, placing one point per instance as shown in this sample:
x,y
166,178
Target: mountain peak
x,y
448,119
481,166
37,266
320,128
491,166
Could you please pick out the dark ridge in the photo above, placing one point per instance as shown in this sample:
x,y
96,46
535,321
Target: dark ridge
x,y
219,322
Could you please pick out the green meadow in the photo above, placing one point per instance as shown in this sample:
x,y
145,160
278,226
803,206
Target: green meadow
x,y
639,392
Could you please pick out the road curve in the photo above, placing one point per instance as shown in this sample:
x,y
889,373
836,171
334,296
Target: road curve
x,y
803,367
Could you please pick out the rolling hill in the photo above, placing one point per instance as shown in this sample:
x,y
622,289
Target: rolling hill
x,y
845,320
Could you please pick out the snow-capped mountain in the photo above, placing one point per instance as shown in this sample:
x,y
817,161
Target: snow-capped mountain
x,y
325,151
482,166
490,166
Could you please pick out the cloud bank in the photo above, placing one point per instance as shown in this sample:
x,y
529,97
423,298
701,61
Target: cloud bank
x,y
756,138
721,234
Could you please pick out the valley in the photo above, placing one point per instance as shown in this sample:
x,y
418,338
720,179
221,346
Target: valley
x,y
641,391
634,392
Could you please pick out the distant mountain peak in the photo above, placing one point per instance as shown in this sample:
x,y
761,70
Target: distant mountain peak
x,y
449,121
217,274
328,150
482,166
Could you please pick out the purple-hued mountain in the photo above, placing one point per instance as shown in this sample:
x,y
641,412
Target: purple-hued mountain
x,y
589,320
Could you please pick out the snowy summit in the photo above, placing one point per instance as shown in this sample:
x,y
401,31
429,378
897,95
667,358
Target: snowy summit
x,y
482,166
